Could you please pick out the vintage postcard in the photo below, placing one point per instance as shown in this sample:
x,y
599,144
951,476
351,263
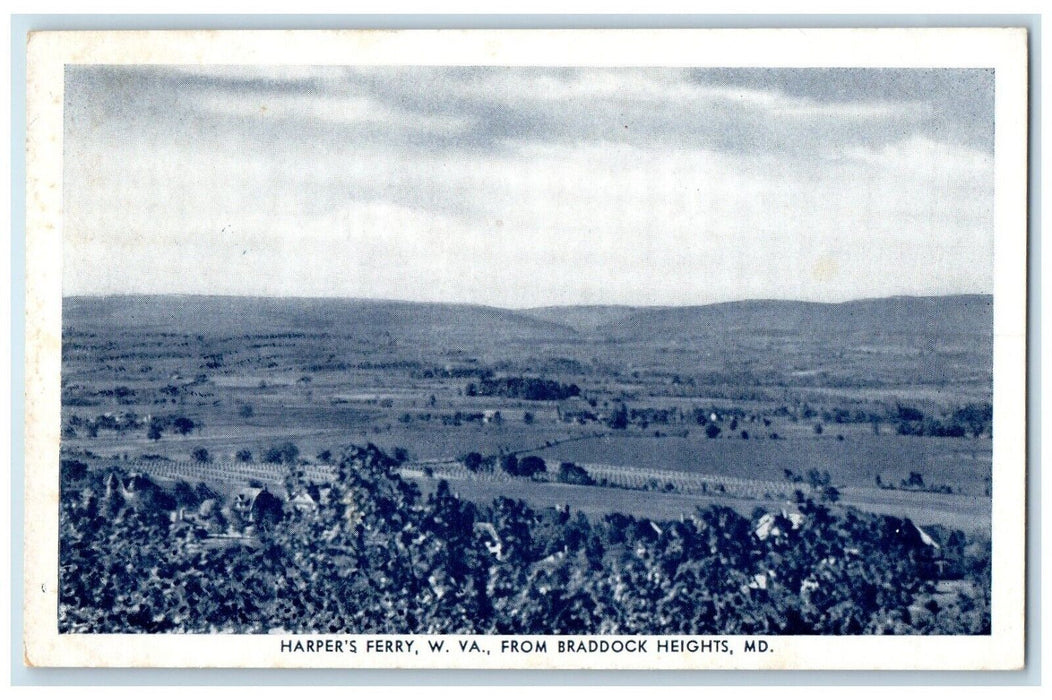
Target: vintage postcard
x,y
664,349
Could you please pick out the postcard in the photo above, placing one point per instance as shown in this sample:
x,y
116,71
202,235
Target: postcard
x,y
508,349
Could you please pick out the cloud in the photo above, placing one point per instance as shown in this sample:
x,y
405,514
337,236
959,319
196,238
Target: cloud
x,y
519,187
498,109
310,110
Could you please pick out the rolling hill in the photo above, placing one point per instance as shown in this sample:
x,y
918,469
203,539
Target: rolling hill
x,y
897,341
949,316
228,315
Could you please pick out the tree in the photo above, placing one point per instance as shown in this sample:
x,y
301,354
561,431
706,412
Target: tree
x,y
977,417
818,479
72,470
285,453
183,425
472,461
915,481
200,454
184,495
712,431
246,410
154,431
243,456
570,473
527,418
619,418
202,493
531,465
510,464
908,413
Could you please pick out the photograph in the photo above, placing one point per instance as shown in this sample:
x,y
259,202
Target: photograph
x,y
530,360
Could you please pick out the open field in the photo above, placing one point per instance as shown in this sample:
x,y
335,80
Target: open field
x,y
854,461
649,493
665,405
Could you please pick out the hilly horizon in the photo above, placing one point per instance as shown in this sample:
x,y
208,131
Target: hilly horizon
x,y
961,314
200,314
970,315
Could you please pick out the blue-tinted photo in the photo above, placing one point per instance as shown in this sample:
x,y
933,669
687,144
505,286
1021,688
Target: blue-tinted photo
x,y
526,350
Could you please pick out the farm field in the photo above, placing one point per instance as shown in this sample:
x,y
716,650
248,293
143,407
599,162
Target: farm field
x,y
648,493
656,402
854,461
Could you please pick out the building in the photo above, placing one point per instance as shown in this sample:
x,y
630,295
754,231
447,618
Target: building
x,y
257,506
576,410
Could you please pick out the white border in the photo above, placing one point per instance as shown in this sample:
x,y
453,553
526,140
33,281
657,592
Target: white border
x,y
1002,49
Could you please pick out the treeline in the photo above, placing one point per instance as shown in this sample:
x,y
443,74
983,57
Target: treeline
x,y
529,467
971,420
528,388
374,556
77,425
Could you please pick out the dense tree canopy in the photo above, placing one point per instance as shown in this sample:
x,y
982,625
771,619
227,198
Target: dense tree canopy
x,y
370,554
529,388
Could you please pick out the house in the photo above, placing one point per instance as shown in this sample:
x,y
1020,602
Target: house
x,y
776,524
575,410
138,492
926,539
303,502
906,532
257,506
491,540
759,581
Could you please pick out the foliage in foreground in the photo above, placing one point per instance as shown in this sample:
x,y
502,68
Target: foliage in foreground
x,y
374,556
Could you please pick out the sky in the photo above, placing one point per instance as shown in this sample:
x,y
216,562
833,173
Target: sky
x,y
522,187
